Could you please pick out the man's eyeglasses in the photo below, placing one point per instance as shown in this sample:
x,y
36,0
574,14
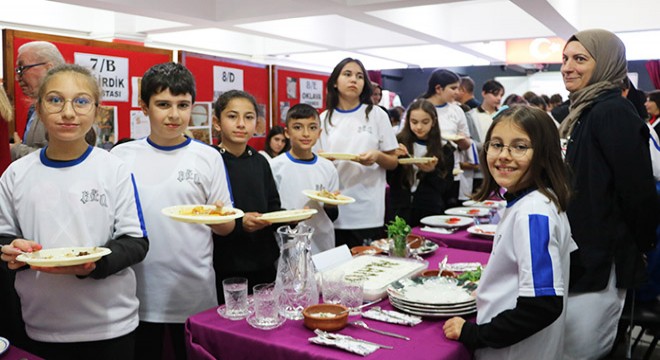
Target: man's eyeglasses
x,y
517,150
82,105
22,68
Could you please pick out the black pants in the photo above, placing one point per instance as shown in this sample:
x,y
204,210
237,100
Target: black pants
x,y
122,347
357,237
150,340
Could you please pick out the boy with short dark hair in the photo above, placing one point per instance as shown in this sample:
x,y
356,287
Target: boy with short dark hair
x,y
177,278
300,169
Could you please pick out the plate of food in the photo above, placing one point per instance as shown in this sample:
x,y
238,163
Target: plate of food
x,y
415,160
424,248
328,197
496,204
468,211
339,156
452,137
286,216
487,230
447,221
64,256
202,214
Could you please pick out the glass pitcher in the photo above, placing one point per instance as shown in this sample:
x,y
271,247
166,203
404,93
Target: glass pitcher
x,y
295,285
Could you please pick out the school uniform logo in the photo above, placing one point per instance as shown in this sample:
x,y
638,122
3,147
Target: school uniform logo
x,y
365,128
188,175
94,195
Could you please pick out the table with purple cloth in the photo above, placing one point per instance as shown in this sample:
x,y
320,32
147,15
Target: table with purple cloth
x,y
210,336
460,239
15,353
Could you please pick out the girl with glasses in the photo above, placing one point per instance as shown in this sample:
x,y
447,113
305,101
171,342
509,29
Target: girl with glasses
x,y
72,194
523,289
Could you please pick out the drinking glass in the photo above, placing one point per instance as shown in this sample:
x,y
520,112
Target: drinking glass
x,y
331,285
236,294
352,293
266,311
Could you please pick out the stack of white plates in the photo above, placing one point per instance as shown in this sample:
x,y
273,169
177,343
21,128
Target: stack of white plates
x,y
432,297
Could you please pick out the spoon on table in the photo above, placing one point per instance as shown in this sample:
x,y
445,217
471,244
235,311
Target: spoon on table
x,y
364,325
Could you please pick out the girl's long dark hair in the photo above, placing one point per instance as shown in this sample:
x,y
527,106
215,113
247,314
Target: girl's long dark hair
x,y
332,97
275,130
433,143
440,77
547,169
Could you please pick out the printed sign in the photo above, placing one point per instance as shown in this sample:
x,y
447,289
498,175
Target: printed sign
x,y
225,79
111,72
311,92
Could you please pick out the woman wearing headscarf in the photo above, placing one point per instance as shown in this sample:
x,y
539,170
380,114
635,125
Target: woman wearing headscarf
x,y
613,213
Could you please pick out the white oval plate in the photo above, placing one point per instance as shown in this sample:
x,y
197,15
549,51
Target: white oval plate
x,y
4,345
181,213
447,221
468,211
486,230
340,200
419,160
339,156
497,204
65,256
452,137
288,215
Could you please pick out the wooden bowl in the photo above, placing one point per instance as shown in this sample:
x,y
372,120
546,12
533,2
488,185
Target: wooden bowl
x,y
431,273
365,250
314,320
414,241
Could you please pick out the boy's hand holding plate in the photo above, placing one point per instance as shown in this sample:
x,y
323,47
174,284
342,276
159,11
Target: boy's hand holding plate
x,y
327,197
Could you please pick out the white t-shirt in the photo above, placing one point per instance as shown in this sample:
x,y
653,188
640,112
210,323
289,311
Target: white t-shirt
x,y
530,257
453,122
83,202
483,121
352,133
654,148
292,177
176,279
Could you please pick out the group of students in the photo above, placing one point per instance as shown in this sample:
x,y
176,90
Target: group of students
x,y
161,271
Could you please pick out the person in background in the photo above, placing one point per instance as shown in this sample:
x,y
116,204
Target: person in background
x,y
72,194
6,116
395,120
172,169
441,92
652,105
614,211
555,100
515,99
32,63
466,93
251,250
352,124
300,169
492,92
420,190
276,143
377,93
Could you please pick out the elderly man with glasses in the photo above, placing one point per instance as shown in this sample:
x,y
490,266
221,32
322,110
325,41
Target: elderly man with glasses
x,y
33,62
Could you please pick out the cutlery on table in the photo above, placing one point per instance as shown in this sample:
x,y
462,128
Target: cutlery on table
x,y
364,325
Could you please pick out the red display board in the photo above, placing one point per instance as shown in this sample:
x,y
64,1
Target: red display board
x,y
135,60
291,86
215,75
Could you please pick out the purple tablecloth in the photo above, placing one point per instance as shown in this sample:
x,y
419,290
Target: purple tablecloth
x,y
15,353
459,240
211,337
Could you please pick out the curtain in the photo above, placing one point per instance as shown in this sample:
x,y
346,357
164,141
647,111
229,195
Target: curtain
x,y
374,76
653,67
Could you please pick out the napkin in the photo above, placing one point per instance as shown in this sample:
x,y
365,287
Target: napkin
x,y
391,316
344,342
437,230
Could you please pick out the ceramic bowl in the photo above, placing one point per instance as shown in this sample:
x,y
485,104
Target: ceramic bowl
x,y
365,250
414,241
431,273
326,317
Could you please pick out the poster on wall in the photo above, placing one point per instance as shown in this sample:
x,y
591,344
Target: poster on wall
x,y
136,86
201,121
105,126
111,72
139,124
311,92
291,88
225,79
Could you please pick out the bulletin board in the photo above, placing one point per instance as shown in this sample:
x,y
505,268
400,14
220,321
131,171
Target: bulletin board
x,y
118,66
293,86
215,75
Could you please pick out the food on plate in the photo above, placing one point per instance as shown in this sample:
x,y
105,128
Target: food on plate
x,y
470,275
205,211
474,211
453,220
327,194
482,231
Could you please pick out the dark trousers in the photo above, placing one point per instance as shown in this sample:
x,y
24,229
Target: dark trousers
x,y
357,237
151,338
122,347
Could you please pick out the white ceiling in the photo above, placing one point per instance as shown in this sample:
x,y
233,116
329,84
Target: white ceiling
x,y
316,34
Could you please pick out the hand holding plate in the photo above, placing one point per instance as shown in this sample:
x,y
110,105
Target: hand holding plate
x,y
453,328
80,270
18,247
429,166
252,222
368,158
